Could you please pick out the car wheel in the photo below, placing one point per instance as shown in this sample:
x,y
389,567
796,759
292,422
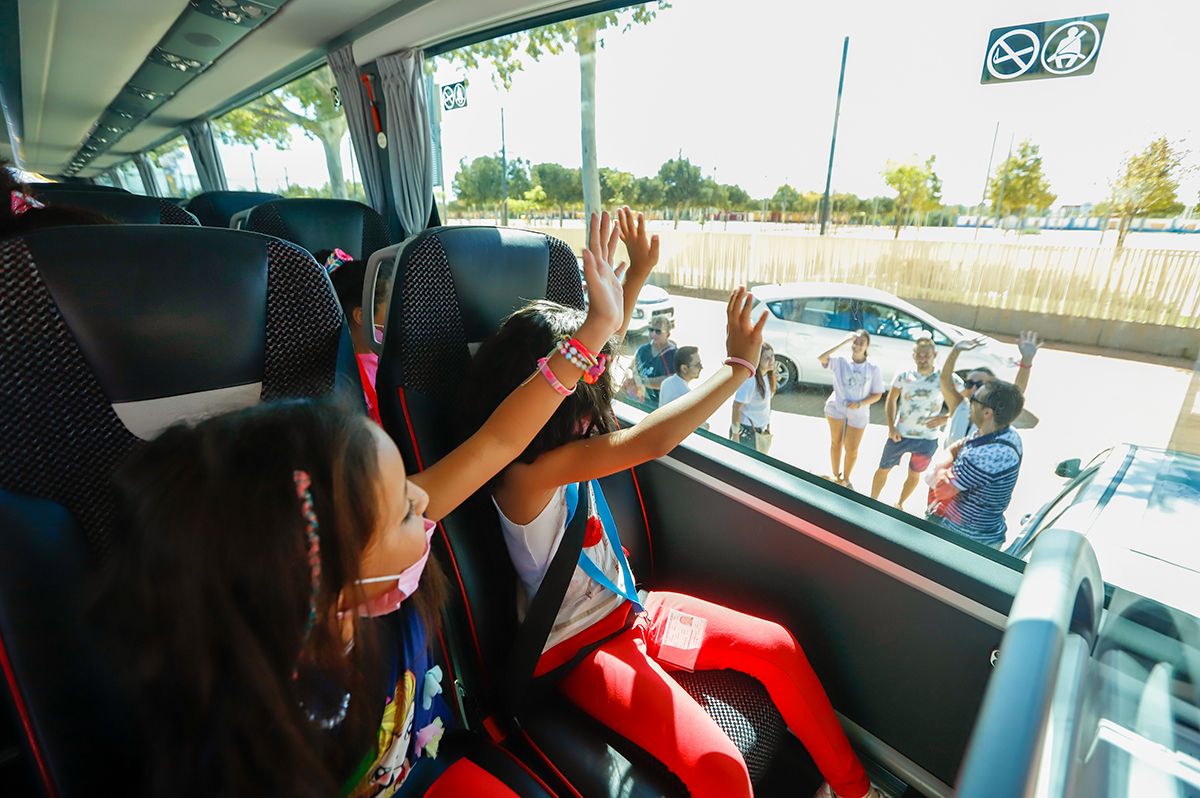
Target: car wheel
x,y
787,376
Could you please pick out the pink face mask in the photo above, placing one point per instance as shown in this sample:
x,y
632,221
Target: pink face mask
x,y
406,583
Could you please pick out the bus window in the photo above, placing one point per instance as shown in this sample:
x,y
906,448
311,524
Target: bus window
x,y
972,227
293,141
173,168
131,179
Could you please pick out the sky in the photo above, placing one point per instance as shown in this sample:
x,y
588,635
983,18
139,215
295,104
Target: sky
x,y
747,92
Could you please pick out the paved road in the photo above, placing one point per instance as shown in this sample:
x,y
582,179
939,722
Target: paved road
x,y
1079,404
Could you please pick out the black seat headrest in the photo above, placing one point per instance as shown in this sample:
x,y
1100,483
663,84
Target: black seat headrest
x,y
451,288
216,208
317,224
121,206
197,321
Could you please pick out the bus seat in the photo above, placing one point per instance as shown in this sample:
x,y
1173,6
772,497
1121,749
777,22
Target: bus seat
x,y
89,368
39,189
121,206
317,224
216,208
451,288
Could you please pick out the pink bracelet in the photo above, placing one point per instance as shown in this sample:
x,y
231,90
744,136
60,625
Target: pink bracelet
x,y
737,361
548,373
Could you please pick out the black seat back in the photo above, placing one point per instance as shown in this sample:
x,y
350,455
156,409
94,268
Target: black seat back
x,y
452,286
216,208
317,224
98,352
38,189
121,206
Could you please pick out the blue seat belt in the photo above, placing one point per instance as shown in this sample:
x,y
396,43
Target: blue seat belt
x,y
610,531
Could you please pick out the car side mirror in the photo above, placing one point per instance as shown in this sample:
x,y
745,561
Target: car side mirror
x,y
1068,468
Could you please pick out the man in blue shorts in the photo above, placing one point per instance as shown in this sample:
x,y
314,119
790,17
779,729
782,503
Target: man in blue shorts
x,y
972,490
914,398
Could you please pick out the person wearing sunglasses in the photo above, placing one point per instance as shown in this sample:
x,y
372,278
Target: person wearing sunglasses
x,y
972,490
688,368
654,360
957,402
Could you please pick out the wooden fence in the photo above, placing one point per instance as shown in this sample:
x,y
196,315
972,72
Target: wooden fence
x,y
1150,286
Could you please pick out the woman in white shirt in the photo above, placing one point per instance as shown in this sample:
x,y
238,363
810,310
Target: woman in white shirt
x,y
857,384
751,422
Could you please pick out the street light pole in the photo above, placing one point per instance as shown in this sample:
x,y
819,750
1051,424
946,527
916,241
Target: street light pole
x,y
503,174
987,179
1004,180
837,111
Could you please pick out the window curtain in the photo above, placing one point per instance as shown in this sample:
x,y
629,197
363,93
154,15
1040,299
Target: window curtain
x,y
410,154
199,137
357,108
149,179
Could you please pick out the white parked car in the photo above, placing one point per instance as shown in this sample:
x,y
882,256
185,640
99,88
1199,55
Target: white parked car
x,y
652,302
806,319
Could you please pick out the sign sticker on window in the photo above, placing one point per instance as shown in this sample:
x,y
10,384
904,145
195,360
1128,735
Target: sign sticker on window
x,y
1058,48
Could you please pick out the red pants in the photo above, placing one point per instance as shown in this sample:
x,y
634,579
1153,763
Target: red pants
x,y
464,777
622,686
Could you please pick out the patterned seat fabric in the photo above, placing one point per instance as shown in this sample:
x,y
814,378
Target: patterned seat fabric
x,y
84,354
318,224
452,287
120,206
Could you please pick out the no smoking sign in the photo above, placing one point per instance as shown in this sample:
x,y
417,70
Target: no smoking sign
x,y
1034,51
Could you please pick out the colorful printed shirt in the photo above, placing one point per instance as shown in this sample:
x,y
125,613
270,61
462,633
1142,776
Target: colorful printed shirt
x,y
920,398
650,365
415,715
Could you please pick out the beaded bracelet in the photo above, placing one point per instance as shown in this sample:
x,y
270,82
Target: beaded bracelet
x,y
591,375
576,353
544,367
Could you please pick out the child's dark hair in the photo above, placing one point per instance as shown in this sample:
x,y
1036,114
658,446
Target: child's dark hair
x,y
206,598
509,357
15,224
348,279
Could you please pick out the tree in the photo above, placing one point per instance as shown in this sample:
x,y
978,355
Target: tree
x,y
506,54
307,103
1148,185
682,183
787,198
616,187
1019,185
649,192
478,184
918,189
738,198
560,184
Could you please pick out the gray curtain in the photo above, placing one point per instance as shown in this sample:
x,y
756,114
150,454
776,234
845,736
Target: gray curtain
x,y
149,180
199,136
410,155
357,108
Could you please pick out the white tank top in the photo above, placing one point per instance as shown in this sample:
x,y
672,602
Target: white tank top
x,y
532,546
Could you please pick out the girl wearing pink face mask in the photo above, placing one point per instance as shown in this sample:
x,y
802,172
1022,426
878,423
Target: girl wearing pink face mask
x,y
272,595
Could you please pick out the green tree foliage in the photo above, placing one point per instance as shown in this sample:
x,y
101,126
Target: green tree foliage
x,y
918,189
683,184
560,184
1148,184
649,192
1019,187
616,187
507,54
786,198
479,184
738,198
306,103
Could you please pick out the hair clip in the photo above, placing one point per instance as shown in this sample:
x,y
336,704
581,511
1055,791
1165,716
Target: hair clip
x,y
336,260
20,202
311,532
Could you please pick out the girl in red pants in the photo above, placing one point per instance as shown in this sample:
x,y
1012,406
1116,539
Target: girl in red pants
x,y
622,680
